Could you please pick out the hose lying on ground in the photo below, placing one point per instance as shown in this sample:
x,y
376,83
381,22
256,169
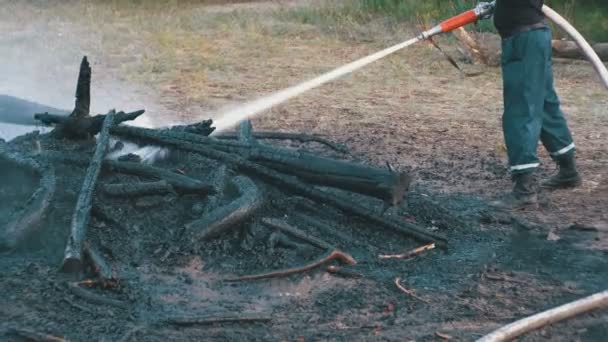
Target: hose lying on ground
x,y
525,325
580,41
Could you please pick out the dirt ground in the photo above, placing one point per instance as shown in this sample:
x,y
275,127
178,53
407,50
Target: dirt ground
x,y
189,62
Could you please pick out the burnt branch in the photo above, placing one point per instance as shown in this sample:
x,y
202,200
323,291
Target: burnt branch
x,y
295,232
83,91
181,183
81,127
99,265
31,335
94,298
322,226
29,219
229,216
245,133
333,255
304,138
161,187
219,183
343,272
383,183
72,261
208,320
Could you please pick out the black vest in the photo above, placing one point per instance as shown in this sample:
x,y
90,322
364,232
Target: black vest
x,y
511,14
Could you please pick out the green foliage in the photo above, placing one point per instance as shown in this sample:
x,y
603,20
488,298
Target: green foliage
x,y
589,16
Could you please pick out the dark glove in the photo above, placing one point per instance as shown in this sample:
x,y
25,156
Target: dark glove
x,y
485,9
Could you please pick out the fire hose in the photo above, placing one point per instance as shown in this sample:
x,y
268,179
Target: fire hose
x,y
485,9
580,41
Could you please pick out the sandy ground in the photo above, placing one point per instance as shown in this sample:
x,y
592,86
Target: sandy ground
x,y
412,109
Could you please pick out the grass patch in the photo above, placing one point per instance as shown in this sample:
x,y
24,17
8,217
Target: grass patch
x,y
344,16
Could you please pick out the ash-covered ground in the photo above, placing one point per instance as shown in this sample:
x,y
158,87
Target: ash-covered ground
x,y
497,267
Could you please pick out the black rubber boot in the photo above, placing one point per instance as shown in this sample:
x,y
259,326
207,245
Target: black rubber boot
x,y
566,177
522,196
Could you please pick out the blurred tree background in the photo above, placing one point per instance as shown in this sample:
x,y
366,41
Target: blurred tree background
x,y
589,16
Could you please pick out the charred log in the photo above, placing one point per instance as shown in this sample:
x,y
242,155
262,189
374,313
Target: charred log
x,y
304,138
245,134
99,266
161,187
283,181
382,183
29,219
322,226
31,335
72,261
343,272
473,51
207,320
181,183
230,215
279,239
81,127
569,49
91,297
219,183
367,180
332,255
203,128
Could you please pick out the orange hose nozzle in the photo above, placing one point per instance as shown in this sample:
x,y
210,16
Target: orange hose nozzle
x,y
460,20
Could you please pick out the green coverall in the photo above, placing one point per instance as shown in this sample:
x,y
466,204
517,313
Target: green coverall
x,y
531,105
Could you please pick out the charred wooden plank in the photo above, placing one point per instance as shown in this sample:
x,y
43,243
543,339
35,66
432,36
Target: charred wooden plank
x,y
230,215
72,261
160,187
29,219
283,181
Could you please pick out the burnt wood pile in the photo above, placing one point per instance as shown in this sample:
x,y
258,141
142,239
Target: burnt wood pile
x,y
244,175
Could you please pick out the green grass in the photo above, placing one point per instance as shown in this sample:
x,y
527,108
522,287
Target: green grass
x,y
590,17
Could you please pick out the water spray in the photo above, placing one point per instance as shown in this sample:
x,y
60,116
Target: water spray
x,y
232,117
483,10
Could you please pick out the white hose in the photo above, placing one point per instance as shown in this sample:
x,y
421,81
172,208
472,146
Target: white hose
x,y
518,328
580,41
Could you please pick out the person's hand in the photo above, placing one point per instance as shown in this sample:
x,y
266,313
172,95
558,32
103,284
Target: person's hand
x,y
485,9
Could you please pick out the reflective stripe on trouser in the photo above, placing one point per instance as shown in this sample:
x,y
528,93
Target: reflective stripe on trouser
x,y
532,109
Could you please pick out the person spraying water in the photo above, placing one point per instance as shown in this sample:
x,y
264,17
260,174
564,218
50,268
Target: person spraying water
x,y
483,10
232,117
